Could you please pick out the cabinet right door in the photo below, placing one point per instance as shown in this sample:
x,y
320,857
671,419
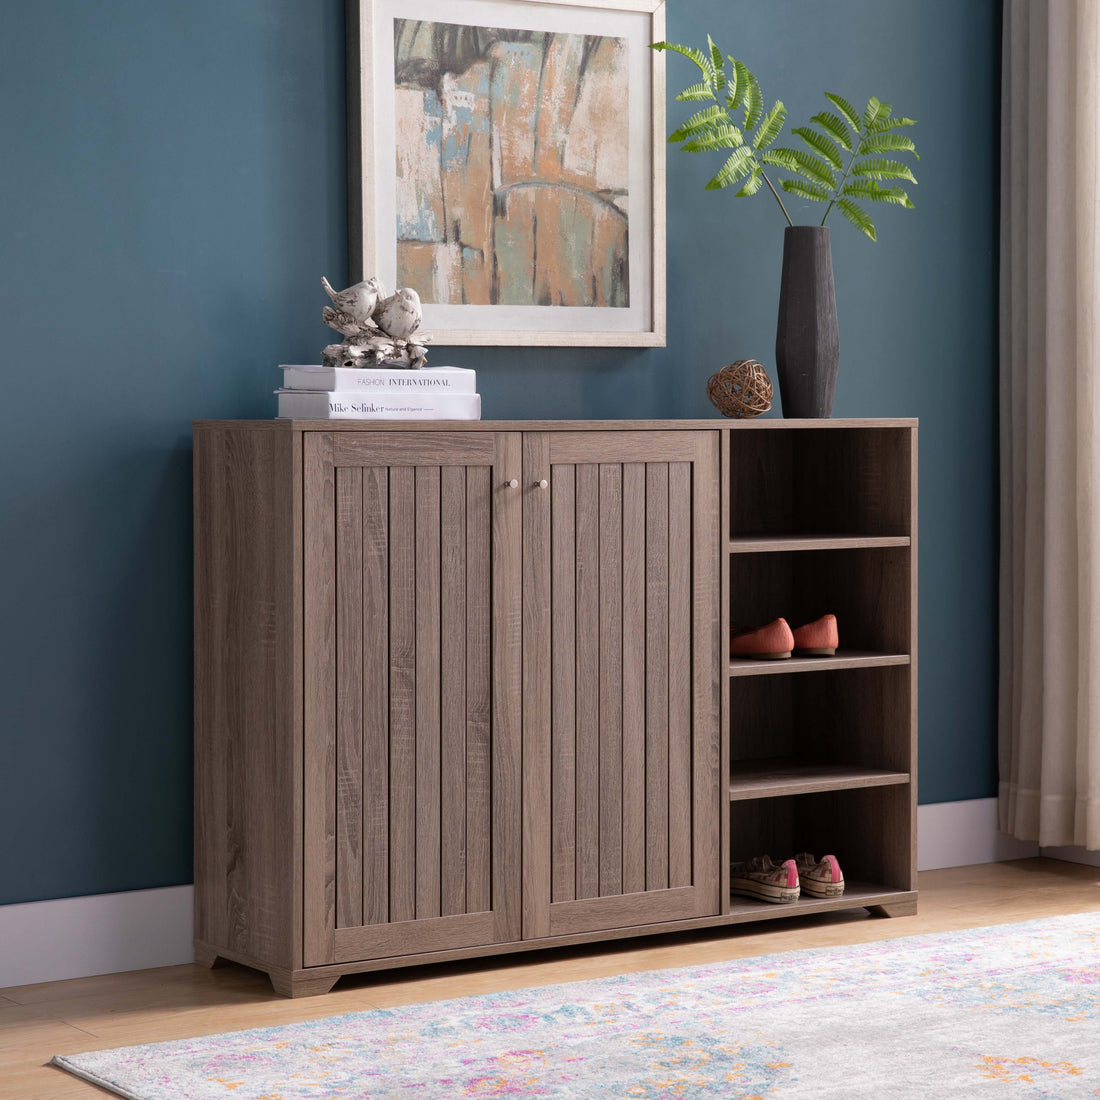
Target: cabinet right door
x,y
622,798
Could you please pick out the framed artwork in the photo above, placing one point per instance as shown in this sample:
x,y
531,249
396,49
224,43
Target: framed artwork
x,y
506,161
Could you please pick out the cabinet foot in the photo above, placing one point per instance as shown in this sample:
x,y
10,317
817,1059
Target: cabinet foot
x,y
893,909
301,983
208,957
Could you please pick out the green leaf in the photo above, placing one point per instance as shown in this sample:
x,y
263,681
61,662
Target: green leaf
x,y
754,103
720,137
875,110
857,217
878,168
881,125
848,112
834,128
810,167
689,52
744,80
806,190
739,164
887,143
873,192
700,122
770,126
719,65
752,184
696,91
821,144
734,87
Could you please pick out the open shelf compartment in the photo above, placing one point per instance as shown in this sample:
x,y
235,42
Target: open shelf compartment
x,y
800,734
820,481
869,830
868,590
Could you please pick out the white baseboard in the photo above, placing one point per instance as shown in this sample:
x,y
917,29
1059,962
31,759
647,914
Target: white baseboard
x,y
1073,855
957,834
44,941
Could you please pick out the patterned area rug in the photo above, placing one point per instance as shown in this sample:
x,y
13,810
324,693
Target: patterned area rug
x,y
1009,1011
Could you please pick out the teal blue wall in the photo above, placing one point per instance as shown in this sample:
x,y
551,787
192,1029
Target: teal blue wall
x,y
172,189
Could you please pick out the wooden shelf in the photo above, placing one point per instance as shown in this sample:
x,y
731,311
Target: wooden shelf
x,y
845,658
855,896
764,544
777,777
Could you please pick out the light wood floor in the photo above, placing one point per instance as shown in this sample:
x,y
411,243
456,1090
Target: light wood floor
x,y
176,1002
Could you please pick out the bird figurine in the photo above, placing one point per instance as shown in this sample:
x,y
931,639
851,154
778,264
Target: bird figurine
x,y
399,315
358,301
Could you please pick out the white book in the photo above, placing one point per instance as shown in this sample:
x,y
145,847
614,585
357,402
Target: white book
x,y
383,405
370,379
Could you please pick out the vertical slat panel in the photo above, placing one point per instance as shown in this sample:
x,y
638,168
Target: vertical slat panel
x,y
452,505
634,672
507,681
656,676
588,676
611,680
478,699
427,693
349,697
679,673
563,700
319,617
536,645
402,502
376,726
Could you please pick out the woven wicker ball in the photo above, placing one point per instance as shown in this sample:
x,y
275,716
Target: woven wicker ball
x,y
741,390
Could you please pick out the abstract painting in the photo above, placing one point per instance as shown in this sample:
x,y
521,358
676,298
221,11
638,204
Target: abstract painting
x,y
513,158
512,165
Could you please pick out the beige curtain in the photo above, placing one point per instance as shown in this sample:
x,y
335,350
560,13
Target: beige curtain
x,y
1050,434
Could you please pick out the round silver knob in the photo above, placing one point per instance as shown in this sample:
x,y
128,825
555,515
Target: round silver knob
x,y
514,483
542,484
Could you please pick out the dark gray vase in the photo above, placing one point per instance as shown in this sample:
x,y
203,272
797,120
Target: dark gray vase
x,y
807,343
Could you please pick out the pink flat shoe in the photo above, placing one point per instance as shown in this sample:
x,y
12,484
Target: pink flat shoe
x,y
769,643
817,639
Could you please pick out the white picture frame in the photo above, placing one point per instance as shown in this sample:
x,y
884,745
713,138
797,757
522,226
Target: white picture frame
x,y
408,58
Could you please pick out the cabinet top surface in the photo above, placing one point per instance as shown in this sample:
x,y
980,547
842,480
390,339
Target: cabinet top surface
x,y
710,424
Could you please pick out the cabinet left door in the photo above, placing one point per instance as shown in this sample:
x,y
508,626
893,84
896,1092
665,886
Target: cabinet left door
x,y
412,608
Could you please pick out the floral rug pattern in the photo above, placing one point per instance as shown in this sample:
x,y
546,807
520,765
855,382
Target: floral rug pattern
x,y
1007,1011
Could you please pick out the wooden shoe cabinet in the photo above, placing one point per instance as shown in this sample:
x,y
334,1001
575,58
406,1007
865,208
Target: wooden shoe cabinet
x,y
463,689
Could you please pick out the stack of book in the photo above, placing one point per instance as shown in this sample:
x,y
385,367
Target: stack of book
x,y
378,393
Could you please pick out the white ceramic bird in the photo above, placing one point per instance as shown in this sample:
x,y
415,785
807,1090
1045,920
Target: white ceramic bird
x,y
399,315
358,301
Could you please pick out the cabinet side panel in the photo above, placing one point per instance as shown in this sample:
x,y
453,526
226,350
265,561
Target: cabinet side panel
x,y
247,693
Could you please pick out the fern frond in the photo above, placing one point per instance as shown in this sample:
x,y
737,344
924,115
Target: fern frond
x,y
856,215
719,65
689,52
821,144
876,109
847,111
887,143
738,165
752,184
806,190
696,91
834,128
878,168
881,125
810,167
699,123
770,126
744,80
754,103
725,136
873,192
734,86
